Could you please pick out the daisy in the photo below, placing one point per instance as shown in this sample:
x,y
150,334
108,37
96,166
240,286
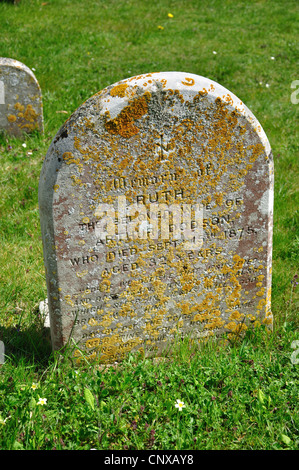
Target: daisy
x,y
180,405
42,401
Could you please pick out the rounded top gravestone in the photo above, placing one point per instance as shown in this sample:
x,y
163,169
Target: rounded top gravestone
x,y
21,108
156,202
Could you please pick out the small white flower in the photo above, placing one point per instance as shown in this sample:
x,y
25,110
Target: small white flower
x,y
214,52
260,83
180,405
42,401
34,386
267,85
272,58
24,145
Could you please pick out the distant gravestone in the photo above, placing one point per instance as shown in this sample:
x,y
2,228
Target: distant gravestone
x,y
20,99
156,200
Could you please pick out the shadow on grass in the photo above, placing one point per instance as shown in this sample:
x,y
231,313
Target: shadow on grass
x,y
15,2
33,345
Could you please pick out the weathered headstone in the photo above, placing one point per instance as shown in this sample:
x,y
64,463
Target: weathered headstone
x,y
20,99
156,201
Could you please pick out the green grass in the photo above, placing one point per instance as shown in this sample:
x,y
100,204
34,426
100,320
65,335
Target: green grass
x,y
237,396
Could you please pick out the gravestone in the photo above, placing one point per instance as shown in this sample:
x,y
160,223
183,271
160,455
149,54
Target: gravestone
x,y
156,201
20,99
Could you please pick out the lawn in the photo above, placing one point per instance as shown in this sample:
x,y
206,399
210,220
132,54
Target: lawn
x,y
237,395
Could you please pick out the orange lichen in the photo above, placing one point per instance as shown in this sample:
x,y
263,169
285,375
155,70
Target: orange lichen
x,y
236,316
124,124
119,90
19,107
257,150
188,81
105,286
30,115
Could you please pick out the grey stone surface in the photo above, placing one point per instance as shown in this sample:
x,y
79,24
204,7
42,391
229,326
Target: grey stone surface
x,y
170,139
21,108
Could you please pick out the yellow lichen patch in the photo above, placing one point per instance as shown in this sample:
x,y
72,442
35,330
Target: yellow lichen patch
x,y
124,163
251,317
76,180
105,285
119,90
185,308
126,310
92,343
106,321
19,107
215,323
208,282
69,300
82,273
30,115
56,187
188,281
261,304
257,150
236,316
123,124
239,262
218,198
268,320
232,326
68,157
11,118
261,292
137,288
188,81
159,287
